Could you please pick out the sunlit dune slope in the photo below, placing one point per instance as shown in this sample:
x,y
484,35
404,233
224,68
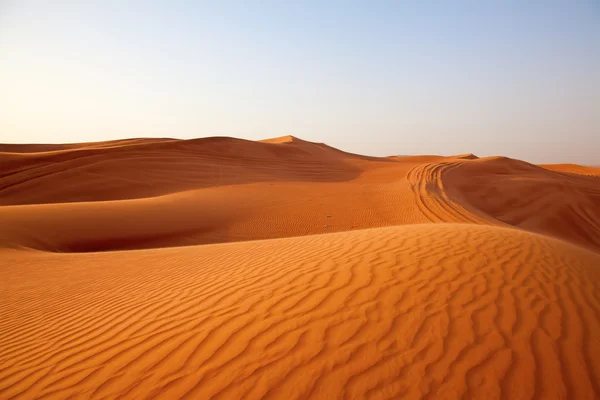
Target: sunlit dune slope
x,y
434,310
573,169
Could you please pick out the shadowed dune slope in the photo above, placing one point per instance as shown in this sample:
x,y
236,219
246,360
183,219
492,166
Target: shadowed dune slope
x,y
422,311
144,168
557,203
42,148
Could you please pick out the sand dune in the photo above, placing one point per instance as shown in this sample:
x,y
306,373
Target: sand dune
x,y
305,272
573,168
441,310
560,204
138,169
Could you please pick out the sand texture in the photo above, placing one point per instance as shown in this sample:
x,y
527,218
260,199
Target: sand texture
x,y
222,268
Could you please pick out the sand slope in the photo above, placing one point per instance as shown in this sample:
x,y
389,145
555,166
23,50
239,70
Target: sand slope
x,y
306,272
561,204
145,168
424,310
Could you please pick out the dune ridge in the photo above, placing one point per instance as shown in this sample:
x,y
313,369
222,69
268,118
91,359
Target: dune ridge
x,y
226,268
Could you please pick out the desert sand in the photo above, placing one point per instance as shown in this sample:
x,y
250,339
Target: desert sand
x,y
221,268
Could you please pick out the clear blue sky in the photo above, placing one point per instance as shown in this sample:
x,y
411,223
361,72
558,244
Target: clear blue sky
x,y
515,78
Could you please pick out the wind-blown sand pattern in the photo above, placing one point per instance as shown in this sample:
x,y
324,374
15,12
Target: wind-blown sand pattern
x,y
289,269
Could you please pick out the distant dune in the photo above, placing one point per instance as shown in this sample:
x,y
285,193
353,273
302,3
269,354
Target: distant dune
x,y
290,269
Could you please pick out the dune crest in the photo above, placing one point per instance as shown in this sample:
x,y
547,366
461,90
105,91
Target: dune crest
x,y
226,268
284,139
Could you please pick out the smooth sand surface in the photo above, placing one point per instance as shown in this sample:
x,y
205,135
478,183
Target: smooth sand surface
x,y
225,268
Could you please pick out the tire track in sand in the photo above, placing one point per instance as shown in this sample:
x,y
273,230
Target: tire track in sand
x,y
427,184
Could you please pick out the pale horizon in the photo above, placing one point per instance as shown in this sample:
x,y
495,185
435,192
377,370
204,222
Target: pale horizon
x,y
504,78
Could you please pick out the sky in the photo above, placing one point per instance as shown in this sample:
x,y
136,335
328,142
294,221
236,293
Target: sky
x,y
496,77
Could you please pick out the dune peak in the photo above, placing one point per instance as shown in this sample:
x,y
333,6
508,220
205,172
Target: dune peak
x,y
284,139
467,156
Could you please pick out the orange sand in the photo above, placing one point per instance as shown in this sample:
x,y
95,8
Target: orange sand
x,y
289,269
